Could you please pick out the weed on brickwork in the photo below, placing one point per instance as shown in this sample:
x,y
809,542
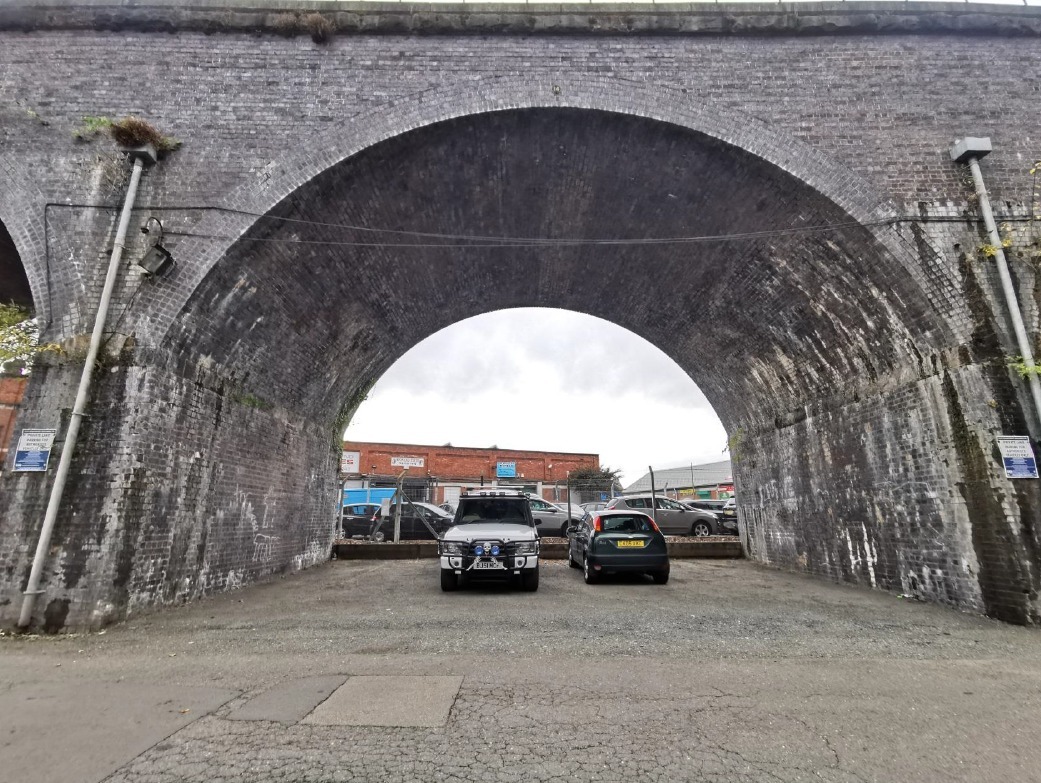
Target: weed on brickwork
x,y
319,27
252,401
90,128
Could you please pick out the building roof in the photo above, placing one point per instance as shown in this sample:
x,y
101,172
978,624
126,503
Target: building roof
x,y
354,444
707,475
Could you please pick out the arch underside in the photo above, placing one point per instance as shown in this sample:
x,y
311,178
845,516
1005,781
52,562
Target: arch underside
x,y
762,324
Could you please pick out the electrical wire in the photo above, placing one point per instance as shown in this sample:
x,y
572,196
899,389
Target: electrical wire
x,y
519,242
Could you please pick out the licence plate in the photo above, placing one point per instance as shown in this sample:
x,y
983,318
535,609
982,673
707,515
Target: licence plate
x,y
635,544
488,564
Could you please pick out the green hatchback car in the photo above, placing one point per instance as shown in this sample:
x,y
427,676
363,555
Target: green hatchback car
x,y
616,542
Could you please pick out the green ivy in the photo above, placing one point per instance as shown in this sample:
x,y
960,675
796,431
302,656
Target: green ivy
x,y
1024,370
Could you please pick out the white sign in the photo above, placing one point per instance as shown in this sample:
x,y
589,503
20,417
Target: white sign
x,y
407,462
349,462
34,450
1017,456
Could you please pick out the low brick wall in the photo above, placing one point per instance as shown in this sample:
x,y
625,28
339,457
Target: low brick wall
x,y
413,550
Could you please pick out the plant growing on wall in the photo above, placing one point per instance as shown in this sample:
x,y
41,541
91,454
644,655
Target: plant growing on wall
x,y
19,340
1024,370
734,443
135,132
318,26
90,128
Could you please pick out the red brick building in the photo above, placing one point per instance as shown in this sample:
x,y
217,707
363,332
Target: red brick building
x,y
437,473
12,389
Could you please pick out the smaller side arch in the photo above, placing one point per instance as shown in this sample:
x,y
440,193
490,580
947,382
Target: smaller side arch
x,y
21,212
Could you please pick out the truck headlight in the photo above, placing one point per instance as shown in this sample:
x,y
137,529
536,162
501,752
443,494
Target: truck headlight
x,y
527,548
453,548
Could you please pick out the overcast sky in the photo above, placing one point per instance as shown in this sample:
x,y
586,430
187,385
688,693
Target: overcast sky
x,y
554,380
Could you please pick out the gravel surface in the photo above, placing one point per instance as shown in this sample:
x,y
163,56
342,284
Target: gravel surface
x,y
731,672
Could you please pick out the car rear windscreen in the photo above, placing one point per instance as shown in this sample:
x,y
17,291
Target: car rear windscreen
x,y
629,523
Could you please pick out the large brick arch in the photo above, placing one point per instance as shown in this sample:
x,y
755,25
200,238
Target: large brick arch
x,y
850,192
865,435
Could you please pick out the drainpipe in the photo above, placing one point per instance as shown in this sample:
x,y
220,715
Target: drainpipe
x,y
82,394
970,150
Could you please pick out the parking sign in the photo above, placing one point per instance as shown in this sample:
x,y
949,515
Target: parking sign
x,y
1017,457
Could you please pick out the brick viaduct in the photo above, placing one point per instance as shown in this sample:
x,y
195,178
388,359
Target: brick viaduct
x,y
851,338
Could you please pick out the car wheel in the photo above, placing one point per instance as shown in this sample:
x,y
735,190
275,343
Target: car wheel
x,y
701,529
378,536
591,576
660,577
571,560
530,579
563,530
449,581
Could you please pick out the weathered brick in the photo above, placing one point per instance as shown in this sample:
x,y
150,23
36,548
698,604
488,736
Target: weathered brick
x,y
861,368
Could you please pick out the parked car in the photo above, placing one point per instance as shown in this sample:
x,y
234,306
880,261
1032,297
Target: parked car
x,y
715,506
492,536
618,541
413,516
356,519
672,517
593,507
727,514
553,520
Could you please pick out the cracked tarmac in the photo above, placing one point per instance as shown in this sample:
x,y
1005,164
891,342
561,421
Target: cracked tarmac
x,y
731,672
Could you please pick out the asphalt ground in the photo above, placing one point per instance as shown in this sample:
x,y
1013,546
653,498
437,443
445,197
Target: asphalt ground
x,y
366,671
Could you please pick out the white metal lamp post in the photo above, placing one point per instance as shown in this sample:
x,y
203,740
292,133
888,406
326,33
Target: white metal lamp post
x,y
32,589
969,150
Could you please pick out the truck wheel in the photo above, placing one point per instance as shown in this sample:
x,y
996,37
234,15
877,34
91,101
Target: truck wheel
x,y
530,579
449,581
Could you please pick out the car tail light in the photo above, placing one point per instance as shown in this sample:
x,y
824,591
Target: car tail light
x,y
654,525
596,524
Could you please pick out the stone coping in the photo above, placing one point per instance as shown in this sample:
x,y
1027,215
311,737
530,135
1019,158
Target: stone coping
x,y
351,18
716,547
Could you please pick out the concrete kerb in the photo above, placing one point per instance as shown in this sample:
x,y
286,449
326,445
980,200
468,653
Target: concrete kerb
x,y
415,550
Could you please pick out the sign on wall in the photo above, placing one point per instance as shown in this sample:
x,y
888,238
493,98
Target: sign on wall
x,y
505,469
408,462
349,462
34,450
1017,456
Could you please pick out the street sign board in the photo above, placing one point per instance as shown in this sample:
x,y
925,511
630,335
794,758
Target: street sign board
x,y
349,462
34,450
1017,456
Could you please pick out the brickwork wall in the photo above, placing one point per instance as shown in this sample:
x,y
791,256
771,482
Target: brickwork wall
x,y
863,369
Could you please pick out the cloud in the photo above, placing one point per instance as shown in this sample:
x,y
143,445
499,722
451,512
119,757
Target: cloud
x,y
544,380
511,348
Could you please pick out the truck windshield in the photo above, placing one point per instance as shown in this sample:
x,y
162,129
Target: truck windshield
x,y
491,510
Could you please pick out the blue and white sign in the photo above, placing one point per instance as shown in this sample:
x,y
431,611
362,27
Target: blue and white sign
x,y
505,469
34,450
1017,456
